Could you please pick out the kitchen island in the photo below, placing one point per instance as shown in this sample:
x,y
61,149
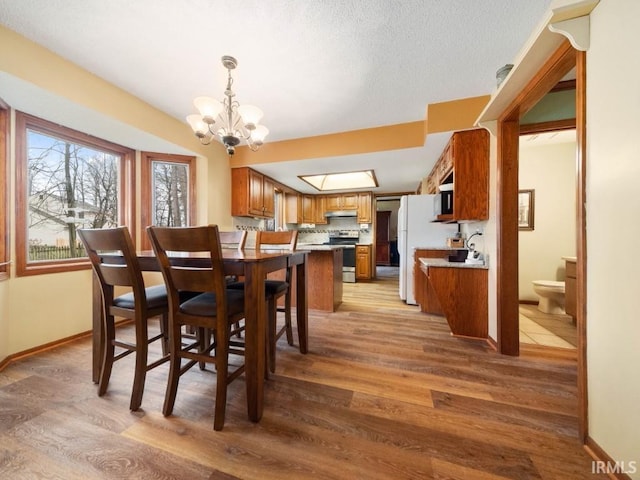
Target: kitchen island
x,y
461,291
324,276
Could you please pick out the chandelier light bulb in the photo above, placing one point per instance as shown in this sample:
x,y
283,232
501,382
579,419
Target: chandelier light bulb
x,y
199,127
251,115
258,134
209,108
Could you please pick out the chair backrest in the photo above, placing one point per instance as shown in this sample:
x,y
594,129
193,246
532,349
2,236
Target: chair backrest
x,y
282,240
114,261
201,240
235,239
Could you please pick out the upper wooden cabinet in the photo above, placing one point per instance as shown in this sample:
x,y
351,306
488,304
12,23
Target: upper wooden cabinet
x,y
345,201
465,163
252,194
313,209
365,207
293,208
319,209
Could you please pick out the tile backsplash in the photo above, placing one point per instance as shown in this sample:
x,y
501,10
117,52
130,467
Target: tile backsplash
x,y
307,234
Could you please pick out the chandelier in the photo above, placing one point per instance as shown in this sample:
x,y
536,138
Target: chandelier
x,y
228,120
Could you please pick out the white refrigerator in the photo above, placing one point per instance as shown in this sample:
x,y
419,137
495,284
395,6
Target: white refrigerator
x,y
416,230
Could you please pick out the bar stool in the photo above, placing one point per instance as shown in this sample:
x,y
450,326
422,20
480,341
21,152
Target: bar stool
x,y
115,263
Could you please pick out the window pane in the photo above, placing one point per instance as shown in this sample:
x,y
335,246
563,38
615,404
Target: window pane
x,y
70,186
170,194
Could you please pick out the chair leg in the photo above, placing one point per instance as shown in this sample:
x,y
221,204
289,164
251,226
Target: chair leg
x,y
142,353
272,314
287,317
164,329
109,331
204,342
222,381
175,347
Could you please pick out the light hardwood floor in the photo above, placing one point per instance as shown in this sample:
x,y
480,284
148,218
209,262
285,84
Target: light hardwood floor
x,y
385,393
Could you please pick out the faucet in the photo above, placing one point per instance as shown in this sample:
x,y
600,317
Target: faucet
x,y
471,246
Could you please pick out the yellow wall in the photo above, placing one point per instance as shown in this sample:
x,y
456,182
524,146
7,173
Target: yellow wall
x,y
551,171
46,308
613,203
441,117
4,316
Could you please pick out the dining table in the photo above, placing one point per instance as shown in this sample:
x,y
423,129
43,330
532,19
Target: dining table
x,y
254,266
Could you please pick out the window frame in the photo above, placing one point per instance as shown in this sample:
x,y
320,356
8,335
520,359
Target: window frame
x,y
126,190
5,135
146,160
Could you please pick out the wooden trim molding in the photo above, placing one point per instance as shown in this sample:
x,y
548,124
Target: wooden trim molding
x,y
551,126
5,362
4,190
558,65
603,463
146,195
507,240
581,240
125,201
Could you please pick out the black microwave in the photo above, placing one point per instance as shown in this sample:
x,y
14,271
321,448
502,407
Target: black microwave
x,y
446,202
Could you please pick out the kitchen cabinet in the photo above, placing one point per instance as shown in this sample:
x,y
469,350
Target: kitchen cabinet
x,y
319,210
363,262
308,213
346,201
313,209
252,194
423,291
324,266
365,208
430,185
462,294
465,163
570,282
293,208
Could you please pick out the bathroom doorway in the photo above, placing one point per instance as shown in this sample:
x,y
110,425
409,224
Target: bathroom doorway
x,y
547,234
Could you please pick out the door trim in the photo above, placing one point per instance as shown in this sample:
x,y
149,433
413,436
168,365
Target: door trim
x,y
555,68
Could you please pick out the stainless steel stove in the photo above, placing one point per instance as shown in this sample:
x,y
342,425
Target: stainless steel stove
x,y
348,239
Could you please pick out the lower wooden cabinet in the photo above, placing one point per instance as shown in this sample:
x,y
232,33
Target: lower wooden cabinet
x,y
363,262
570,304
462,294
425,296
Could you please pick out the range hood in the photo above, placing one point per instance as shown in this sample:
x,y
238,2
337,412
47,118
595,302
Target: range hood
x,y
341,213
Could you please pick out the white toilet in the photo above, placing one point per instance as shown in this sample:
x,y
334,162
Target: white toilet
x,y
551,295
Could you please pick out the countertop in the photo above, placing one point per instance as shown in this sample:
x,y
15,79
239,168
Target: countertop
x,y
318,247
570,259
440,262
439,247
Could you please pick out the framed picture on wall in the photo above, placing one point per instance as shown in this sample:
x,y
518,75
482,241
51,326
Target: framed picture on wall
x,y
526,199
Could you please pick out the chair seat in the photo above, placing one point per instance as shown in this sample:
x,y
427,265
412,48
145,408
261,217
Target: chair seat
x,y
205,305
156,298
271,287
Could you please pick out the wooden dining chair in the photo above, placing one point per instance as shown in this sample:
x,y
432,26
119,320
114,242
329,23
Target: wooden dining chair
x,y
275,289
121,269
213,312
234,239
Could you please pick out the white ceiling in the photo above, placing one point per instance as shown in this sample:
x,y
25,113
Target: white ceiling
x,y
314,67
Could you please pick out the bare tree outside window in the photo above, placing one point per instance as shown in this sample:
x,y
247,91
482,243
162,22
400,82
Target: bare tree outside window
x,y
70,186
170,192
